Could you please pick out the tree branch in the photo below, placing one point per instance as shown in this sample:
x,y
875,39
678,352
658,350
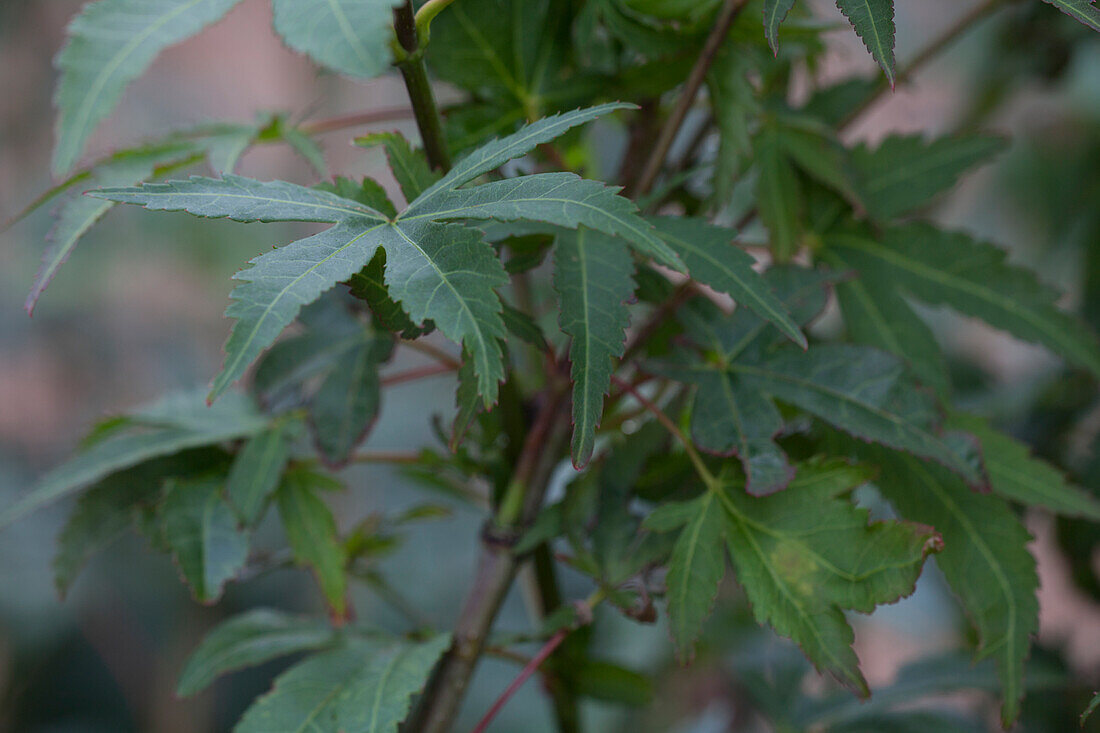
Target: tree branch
x,y
420,89
584,609
730,10
497,566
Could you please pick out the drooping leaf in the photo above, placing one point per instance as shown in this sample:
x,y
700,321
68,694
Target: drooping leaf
x,y
76,215
876,315
125,448
985,560
111,43
803,556
905,172
249,639
350,36
347,403
447,273
1017,475
1086,12
972,277
713,259
694,572
256,472
734,103
775,11
563,199
362,687
330,331
311,531
201,529
467,402
108,509
410,167
873,21
731,417
593,278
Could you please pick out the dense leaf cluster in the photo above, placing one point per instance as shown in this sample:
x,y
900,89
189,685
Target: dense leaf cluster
x,y
714,425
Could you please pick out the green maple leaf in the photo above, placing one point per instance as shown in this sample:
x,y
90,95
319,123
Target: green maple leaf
x,y
594,278
1083,11
906,172
350,36
972,277
200,528
311,531
865,392
175,423
803,556
873,21
250,639
985,559
363,686
438,271
775,11
110,44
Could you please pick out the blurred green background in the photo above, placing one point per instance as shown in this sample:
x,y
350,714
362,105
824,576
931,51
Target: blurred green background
x,y
138,311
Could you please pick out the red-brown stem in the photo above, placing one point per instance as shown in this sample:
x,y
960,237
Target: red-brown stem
x,y
525,674
432,370
356,119
433,351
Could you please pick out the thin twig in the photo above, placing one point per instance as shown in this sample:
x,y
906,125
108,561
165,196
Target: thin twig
x,y
397,457
411,375
355,119
525,674
433,351
584,617
670,426
497,567
728,14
